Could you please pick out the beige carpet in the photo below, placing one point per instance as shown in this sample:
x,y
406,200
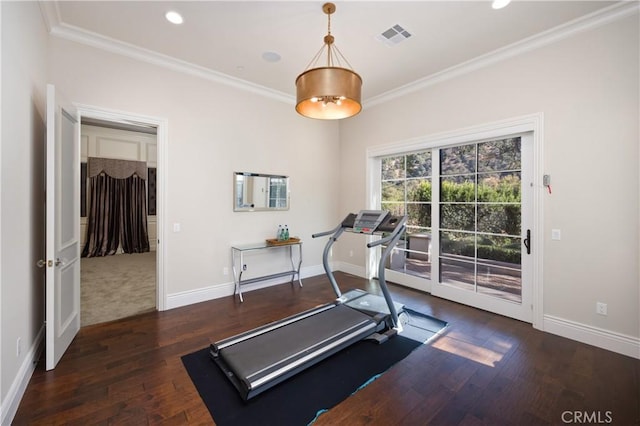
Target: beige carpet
x,y
119,286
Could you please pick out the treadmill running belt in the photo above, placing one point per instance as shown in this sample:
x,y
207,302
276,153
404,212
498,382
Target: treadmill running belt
x,y
264,353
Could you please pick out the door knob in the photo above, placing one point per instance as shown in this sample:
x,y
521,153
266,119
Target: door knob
x,y
41,263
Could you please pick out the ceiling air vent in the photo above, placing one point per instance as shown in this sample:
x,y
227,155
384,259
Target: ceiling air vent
x,y
394,35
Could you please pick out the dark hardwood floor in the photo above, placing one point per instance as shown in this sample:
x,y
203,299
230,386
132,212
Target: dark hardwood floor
x,y
484,369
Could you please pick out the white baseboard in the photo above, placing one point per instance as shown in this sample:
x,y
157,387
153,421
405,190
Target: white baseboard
x,y
190,297
605,339
12,400
350,268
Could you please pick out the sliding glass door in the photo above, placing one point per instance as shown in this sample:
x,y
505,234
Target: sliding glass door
x,y
469,209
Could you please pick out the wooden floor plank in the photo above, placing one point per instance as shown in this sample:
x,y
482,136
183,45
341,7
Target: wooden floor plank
x,y
483,370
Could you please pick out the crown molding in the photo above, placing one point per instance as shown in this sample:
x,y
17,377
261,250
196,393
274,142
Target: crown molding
x,y
593,20
51,16
69,32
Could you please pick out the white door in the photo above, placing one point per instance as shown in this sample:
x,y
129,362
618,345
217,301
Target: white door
x,y
62,228
482,247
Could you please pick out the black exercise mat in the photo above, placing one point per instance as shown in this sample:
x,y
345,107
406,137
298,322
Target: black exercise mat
x,y
299,399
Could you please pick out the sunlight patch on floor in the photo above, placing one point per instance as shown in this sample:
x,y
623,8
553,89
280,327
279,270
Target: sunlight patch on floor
x,y
472,352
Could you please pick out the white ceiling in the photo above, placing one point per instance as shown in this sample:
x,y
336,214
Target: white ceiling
x,y
227,39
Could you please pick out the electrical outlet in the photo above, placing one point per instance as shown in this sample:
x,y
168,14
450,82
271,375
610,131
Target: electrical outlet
x,y
18,346
225,271
350,253
244,267
601,308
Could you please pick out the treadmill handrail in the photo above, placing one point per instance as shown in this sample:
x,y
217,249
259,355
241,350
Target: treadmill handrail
x,y
399,228
391,240
322,234
381,273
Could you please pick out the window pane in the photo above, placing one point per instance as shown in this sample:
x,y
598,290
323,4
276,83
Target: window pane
x,y
500,251
480,218
505,283
409,263
393,191
393,168
419,215
418,190
406,189
457,272
499,187
499,155
458,244
419,164
458,189
458,216
458,160
499,219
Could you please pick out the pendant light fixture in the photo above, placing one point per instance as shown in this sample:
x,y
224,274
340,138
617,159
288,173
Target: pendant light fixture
x,y
328,92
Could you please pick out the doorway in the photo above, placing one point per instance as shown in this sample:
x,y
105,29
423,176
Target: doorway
x,y
122,284
125,284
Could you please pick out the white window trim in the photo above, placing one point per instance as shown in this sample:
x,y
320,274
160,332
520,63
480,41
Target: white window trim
x,y
498,129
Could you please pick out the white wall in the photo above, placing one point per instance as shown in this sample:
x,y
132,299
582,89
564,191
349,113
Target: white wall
x,y
587,87
213,131
24,42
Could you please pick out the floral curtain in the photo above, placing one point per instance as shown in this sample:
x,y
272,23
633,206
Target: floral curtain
x,y
117,213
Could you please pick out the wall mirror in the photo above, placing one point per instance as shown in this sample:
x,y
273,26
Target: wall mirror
x,y
260,192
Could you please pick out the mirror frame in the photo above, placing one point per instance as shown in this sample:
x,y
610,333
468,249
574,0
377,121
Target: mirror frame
x,y
239,177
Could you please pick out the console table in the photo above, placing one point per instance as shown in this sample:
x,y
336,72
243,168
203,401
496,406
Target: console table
x,y
238,252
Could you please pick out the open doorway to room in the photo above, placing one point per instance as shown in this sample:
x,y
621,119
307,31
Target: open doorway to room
x,y
118,273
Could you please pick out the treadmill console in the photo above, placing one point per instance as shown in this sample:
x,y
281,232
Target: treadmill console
x,y
367,221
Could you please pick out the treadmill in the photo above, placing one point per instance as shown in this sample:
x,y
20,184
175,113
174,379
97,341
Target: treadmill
x,y
259,359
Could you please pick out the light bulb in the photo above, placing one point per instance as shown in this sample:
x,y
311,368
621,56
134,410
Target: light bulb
x,y
174,17
499,4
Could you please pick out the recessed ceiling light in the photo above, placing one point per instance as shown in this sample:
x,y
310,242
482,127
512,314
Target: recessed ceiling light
x,y
499,4
271,56
174,17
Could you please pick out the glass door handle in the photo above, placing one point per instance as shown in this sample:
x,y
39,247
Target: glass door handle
x,y
527,241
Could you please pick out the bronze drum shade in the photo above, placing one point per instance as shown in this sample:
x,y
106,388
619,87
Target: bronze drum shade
x,y
328,93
